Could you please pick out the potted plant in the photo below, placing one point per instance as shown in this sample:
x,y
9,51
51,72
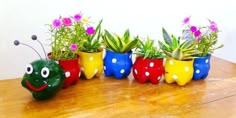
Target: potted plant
x,y
91,53
118,58
67,35
148,65
179,63
206,38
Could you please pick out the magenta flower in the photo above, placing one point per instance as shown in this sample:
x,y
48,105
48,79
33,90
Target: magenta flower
x,y
77,17
90,31
186,20
197,33
213,26
73,47
66,21
193,28
56,23
199,39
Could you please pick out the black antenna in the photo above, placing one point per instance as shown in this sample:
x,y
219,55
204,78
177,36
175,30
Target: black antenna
x,y
16,43
34,37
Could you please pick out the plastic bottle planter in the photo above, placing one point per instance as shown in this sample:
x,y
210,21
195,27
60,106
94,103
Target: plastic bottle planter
x,y
177,71
72,71
43,78
201,67
117,64
91,64
148,69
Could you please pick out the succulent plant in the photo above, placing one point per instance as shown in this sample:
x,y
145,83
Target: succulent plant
x,y
172,47
120,44
92,43
148,50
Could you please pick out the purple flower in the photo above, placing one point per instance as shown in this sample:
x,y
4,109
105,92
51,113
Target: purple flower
x,y
186,20
90,31
193,28
213,26
197,33
73,47
66,21
56,23
77,17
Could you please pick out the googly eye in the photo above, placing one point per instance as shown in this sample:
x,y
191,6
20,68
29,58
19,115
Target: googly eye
x,y
45,72
29,69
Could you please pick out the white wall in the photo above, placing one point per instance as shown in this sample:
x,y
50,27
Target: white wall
x,y
19,19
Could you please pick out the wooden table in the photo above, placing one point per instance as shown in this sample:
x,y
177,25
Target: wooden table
x,y
108,97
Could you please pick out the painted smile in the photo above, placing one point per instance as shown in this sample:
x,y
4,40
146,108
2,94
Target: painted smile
x,y
28,84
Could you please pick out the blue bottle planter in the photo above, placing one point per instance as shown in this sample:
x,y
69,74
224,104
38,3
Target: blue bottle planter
x,y
117,64
201,67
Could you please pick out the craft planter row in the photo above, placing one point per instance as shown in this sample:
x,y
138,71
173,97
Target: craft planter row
x,y
91,63
148,70
117,64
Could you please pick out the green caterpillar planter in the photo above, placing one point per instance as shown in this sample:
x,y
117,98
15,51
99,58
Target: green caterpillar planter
x,y
43,78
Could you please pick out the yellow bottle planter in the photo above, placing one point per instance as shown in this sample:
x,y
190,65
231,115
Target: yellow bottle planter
x,y
177,71
91,63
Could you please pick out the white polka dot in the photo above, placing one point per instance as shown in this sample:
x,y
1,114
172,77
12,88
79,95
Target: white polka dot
x,y
159,78
197,71
186,68
171,62
114,60
67,74
90,58
130,56
151,64
122,71
175,77
135,71
105,68
95,71
207,61
147,73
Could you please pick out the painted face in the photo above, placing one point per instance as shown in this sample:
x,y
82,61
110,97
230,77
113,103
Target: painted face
x,y
43,78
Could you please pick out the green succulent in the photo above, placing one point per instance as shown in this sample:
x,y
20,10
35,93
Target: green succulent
x,y
172,47
119,44
148,50
92,43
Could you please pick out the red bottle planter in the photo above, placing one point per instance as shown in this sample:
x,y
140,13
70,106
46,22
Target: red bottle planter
x,y
72,71
148,70
71,68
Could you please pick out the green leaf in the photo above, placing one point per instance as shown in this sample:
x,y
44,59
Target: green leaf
x,y
126,36
130,45
166,37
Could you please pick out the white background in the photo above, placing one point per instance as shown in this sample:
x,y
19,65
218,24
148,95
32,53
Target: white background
x,y
19,19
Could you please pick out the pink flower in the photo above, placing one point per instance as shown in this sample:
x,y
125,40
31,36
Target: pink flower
x,y
199,39
186,20
90,31
66,21
77,17
213,26
56,23
193,28
197,33
73,47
